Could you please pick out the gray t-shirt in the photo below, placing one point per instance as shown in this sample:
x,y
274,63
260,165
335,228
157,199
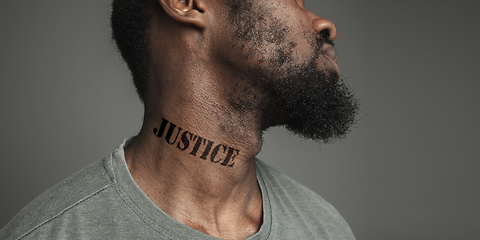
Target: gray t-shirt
x,y
102,201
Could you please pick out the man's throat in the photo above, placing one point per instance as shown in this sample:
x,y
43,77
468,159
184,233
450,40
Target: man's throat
x,y
197,146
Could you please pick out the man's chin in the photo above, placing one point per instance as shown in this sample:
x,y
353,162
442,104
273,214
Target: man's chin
x,y
325,115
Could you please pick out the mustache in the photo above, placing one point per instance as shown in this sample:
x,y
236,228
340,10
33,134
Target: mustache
x,y
320,39
324,37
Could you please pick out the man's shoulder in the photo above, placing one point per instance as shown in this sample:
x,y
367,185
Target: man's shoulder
x,y
298,211
58,200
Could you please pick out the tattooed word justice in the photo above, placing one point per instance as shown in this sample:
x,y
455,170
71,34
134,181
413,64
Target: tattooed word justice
x,y
198,146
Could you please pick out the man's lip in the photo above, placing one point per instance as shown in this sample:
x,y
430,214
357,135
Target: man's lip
x,y
329,52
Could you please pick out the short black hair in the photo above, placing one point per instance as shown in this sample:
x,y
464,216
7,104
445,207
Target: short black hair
x,y
130,22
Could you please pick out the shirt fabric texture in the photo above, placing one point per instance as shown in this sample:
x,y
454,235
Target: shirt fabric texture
x,y
102,201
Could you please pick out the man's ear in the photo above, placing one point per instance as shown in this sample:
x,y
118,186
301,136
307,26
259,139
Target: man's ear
x,y
189,12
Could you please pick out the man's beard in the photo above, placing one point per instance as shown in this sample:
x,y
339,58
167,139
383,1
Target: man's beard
x,y
308,101
311,103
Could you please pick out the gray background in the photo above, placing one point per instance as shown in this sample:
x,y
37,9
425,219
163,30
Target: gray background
x,y
409,170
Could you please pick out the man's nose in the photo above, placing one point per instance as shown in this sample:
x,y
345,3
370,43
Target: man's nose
x,y
320,24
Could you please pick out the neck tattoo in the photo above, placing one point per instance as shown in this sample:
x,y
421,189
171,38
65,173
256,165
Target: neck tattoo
x,y
198,146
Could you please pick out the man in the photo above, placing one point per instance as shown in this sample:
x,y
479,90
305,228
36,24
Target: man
x,y
213,75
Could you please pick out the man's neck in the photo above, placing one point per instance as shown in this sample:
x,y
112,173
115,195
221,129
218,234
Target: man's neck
x,y
199,173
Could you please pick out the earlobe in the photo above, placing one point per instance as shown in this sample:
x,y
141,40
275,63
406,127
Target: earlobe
x,y
189,12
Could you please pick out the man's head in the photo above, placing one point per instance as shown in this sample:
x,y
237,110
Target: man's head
x,y
280,54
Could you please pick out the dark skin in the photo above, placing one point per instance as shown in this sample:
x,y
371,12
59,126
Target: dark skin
x,y
193,75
